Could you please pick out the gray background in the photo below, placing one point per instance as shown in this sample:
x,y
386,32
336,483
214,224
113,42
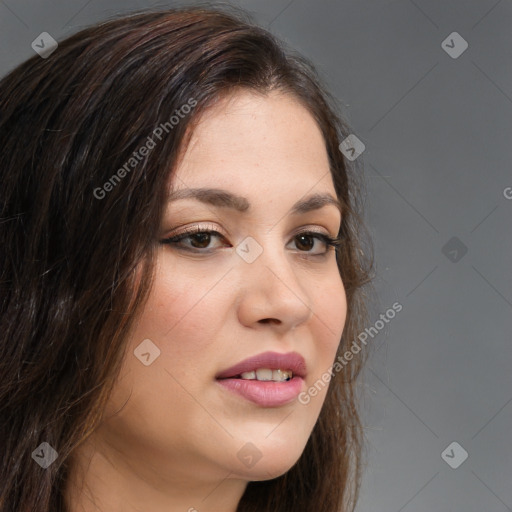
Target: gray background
x,y
437,132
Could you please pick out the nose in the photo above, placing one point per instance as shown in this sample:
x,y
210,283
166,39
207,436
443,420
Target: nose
x,y
272,292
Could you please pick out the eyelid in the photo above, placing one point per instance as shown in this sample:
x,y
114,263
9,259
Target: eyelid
x,y
315,229
330,242
210,227
194,229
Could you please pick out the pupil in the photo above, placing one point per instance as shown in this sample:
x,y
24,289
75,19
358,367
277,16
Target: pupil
x,y
307,237
202,237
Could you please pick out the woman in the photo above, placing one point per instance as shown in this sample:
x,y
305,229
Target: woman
x,y
182,264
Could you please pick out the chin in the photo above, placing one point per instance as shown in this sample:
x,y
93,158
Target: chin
x,y
275,460
268,471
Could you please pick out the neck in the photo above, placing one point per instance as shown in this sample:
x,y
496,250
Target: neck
x,y
104,480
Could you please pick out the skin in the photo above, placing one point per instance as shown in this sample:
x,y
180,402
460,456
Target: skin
x,y
172,433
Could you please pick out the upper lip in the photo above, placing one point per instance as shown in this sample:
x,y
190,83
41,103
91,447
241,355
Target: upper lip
x,y
273,360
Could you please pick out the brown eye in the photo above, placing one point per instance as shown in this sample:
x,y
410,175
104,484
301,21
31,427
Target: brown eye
x,y
199,239
202,240
305,246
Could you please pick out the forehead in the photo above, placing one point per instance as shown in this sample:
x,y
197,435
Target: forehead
x,y
254,141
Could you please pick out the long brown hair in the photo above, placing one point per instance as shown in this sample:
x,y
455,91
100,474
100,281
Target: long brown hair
x,y
69,287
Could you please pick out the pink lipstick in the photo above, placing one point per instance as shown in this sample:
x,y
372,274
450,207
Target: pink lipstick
x,y
270,379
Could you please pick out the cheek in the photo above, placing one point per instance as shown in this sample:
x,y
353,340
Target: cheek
x,y
329,315
178,308
184,318
330,312
175,318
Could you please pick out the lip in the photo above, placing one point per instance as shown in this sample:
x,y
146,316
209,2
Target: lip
x,y
273,360
266,393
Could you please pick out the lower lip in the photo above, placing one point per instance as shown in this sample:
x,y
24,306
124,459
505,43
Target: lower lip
x,y
265,393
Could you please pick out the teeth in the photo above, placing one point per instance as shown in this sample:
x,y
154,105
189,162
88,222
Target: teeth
x,y
263,374
281,375
266,374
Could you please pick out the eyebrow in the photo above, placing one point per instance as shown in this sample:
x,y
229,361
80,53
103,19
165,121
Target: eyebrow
x,y
225,199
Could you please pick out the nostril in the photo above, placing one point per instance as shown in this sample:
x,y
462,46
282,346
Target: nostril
x,y
269,320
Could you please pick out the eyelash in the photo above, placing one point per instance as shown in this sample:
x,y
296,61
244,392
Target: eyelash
x,y
328,240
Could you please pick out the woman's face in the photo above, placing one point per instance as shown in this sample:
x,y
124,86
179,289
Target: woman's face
x,y
218,300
